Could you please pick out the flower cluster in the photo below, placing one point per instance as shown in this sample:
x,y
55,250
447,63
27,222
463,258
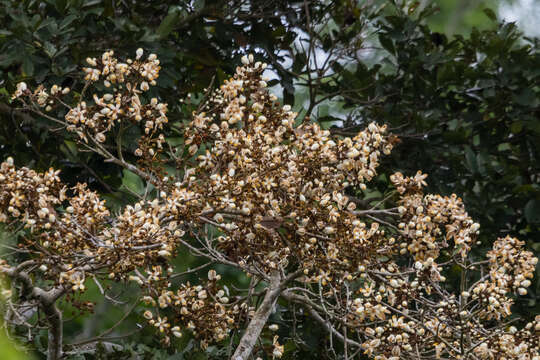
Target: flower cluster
x,y
267,193
105,113
265,187
409,309
40,96
424,219
515,344
203,310
511,269
28,196
73,228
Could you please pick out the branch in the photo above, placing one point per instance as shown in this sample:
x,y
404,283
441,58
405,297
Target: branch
x,y
47,300
328,327
245,347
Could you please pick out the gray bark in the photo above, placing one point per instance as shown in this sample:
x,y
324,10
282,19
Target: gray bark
x,y
47,302
245,347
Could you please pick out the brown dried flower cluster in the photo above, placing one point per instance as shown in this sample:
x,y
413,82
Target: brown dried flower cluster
x,y
260,173
425,218
204,310
411,312
269,194
107,114
72,231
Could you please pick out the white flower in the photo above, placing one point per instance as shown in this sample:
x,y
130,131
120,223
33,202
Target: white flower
x,y
21,86
212,275
100,137
176,332
164,253
148,314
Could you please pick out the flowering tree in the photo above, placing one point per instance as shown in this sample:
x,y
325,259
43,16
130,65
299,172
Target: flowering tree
x,y
256,189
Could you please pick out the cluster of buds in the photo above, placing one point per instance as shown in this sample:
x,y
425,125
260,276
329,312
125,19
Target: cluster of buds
x,y
423,314
72,277
109,69
128,80
511,269
277,351
394,338
511,344
260,175
73,231
40,96
28,196
95,119
203,310
428,222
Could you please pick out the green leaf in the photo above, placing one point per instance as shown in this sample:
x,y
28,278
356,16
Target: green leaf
x,y
60,5
28,66
516,127
69,148
323,110
169,22
175,141
490,14
526,97
198,5
49,48
199,356
387,43
177,356
471,160
67,21
115,201
8,351
8,59
133,182
532,211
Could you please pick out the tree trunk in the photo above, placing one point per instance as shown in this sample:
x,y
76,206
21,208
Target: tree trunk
x,y
54,317
245,347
